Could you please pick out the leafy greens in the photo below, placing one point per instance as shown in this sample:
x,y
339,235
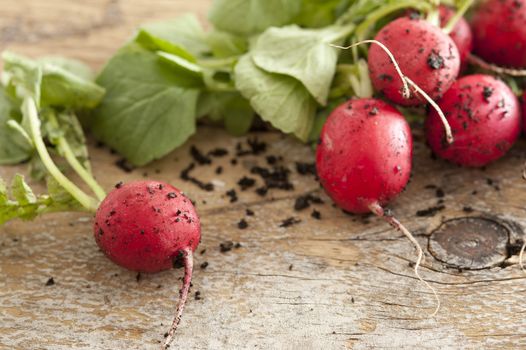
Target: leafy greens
x,y
38,102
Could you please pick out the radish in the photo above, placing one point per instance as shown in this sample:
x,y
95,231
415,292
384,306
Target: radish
x,y
147,226
485,118
426,55
460,34
364,160
500,33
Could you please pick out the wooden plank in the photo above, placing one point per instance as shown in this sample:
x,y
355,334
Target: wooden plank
x,y
340,282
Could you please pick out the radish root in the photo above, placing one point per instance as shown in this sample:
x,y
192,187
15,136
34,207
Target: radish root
x,y
406,93
477,61
379,211
188,270
447,127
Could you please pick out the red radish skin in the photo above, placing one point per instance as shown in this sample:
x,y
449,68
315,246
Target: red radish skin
x,y
485,118
499,32
364,161
146,226
365,154
461,34
426,55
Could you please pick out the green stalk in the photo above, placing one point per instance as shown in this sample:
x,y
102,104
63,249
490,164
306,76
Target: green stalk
x,y
65,148
372,18
458,15
79,169
433,15
361,83
29,109
18,128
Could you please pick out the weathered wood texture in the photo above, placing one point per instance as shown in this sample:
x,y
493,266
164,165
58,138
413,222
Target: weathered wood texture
x,y
341,282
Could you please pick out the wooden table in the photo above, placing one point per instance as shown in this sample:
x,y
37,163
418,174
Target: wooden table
x,y
340,282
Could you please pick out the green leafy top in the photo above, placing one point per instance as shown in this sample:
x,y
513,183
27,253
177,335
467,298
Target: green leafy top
x,y
182,36
147,112
303,54
14,147
37,117
22,203
267,57
279,99
271,58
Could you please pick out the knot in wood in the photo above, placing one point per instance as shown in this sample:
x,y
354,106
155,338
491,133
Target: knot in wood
x,y
471,243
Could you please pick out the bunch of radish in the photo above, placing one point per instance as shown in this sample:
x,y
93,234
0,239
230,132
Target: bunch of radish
x,y
365,151
364,155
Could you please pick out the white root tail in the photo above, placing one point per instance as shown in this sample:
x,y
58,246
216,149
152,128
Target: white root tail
x,y
379,211
447,127
406,93
188,270
477,61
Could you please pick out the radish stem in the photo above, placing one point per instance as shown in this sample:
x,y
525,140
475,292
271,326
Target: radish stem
x,y
458,15
188,269
63,145
374,17
79,169
29,109
18,128
379,211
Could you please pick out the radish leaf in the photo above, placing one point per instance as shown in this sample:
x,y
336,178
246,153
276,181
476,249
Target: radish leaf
x,y
303,54
229,107
279,99
246,17
182,36
25,205
65,89
14,148
224,44
146,112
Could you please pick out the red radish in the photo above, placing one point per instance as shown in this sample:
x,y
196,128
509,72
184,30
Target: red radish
x,y
499,32
484,115
461,34
146,226
365,154
364,160
426,55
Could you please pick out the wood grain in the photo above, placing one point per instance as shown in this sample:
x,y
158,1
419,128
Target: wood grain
x,y
340,282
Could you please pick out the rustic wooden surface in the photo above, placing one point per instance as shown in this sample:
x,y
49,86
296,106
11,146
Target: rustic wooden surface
x,y
341,282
